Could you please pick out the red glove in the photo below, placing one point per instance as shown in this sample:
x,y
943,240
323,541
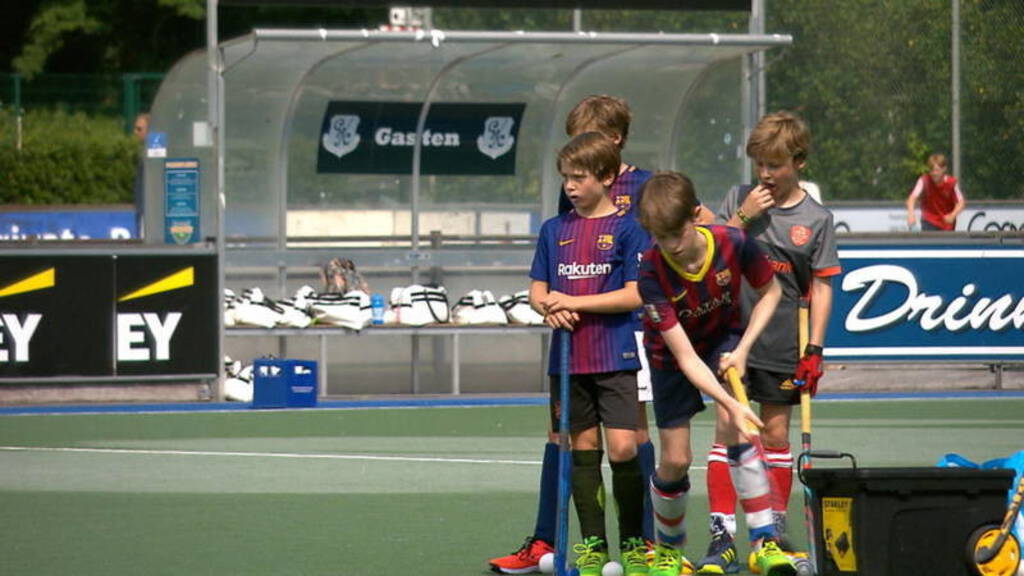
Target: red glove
x,y
808,370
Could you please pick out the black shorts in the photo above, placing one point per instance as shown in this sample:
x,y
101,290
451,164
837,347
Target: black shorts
x,y
608,398
676,400
769,387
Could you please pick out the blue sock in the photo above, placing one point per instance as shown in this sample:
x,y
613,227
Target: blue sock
x,y
645,453
547,508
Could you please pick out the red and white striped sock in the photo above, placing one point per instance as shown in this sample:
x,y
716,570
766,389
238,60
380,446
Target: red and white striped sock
x,y
780,466
668,499
721,494
751,481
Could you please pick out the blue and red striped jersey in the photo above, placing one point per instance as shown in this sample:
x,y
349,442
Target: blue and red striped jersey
x,y
580,256
624,193
707,304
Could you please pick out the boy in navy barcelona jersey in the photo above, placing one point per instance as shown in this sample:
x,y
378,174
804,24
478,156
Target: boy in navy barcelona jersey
x,y
611,117
583,279
690,283
798,236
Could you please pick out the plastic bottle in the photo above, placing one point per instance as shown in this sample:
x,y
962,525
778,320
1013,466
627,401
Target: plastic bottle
x,y
377,309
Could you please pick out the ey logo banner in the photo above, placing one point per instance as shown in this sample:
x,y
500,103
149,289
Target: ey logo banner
x,y
17,329
166,315
145,336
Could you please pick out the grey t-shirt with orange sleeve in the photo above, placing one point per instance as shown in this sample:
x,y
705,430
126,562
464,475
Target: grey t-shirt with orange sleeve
x,y
800,242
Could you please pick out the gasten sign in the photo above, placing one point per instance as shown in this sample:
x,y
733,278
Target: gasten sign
x,y
379,138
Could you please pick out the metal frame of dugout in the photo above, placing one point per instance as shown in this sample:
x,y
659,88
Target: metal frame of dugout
x,y
516,254
452,332
250,110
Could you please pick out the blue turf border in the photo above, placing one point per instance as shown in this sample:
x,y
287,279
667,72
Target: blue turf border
x,y
451,402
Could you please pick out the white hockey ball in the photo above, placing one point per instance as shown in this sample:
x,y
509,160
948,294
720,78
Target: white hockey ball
x,y
547,563
612,568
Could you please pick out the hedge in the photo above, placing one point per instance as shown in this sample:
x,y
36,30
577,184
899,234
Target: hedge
x,y
66,159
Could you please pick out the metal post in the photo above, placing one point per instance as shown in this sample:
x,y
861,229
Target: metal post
x,y
747,117
17,110
322,369
456,369
757,23
753,90
955,89
215,115
129,106
577,20
414,372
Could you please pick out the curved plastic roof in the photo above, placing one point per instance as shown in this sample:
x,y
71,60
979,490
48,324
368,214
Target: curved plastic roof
x,y
684,90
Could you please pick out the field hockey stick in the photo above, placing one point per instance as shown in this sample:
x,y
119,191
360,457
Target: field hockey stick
x,y
753,434
564,457
803,329
985,554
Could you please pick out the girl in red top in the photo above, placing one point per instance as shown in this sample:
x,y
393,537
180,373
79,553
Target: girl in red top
x,y
941,198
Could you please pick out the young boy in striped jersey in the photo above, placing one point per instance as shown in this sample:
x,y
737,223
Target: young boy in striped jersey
x,y
690,283
583,279
798,236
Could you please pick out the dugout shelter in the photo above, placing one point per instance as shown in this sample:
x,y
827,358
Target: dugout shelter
x,y
427,154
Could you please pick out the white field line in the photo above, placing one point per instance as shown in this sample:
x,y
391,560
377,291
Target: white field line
x,y
290,455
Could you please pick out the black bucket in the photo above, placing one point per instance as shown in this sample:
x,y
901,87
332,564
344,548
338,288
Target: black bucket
x,y
900,521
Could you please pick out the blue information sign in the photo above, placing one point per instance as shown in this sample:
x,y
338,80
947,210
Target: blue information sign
x,y
181,204
156,145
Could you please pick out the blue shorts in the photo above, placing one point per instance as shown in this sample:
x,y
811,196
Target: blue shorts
x,y
676,400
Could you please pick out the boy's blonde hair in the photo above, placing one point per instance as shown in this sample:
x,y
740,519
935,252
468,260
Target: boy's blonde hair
x,y
780,135
937,160
600,113
592,152
667,202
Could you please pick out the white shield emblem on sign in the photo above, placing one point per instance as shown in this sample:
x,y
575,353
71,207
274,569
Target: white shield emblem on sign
x,y
342,136
497,138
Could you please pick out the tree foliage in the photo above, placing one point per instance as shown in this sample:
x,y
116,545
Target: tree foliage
x,y
872,77
79,36
49,31
107,35
874,81
66,159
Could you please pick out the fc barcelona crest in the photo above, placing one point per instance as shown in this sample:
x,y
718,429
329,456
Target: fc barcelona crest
x,y
623,202
724,277
605,241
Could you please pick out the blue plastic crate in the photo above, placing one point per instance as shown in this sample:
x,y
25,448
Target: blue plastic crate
x,y
283,383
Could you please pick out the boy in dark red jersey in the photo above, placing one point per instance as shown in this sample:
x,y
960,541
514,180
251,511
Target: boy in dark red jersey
x,y
583,279
690,283
940,195
798,236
